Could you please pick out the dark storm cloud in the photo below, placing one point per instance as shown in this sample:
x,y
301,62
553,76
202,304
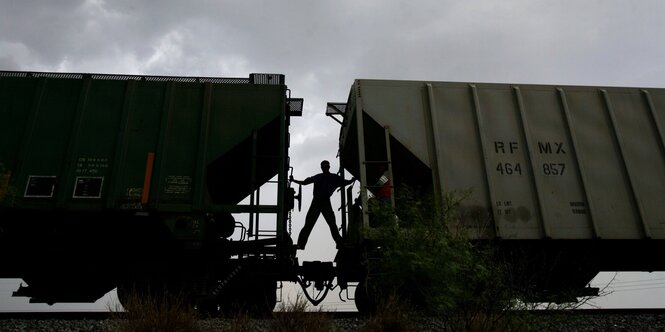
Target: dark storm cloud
x,y
318,42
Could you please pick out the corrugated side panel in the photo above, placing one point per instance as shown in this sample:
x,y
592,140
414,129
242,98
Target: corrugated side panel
x,y
84,144
547,161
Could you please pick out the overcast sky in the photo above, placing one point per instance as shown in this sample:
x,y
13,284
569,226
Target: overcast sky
x,y
322,46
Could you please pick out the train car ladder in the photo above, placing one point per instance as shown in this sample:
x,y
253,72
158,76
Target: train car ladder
x,y
387,177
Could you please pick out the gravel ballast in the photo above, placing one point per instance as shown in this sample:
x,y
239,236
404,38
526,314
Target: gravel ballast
x,y
554,322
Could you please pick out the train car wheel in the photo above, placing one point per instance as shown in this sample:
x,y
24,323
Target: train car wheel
x,y
365,299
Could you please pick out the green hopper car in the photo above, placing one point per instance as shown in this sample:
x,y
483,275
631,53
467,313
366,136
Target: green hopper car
x,y
133,182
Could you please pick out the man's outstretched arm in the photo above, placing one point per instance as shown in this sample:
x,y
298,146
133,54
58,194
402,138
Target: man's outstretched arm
x,y
301,182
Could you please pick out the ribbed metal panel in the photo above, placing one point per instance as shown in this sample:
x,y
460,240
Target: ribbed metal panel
x,y
94,134
560,162
269,79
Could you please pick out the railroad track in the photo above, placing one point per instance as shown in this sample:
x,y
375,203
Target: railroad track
x,y
617,311
102,315
539,320
61,315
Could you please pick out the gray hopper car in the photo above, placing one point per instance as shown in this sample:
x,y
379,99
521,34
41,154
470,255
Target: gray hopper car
x,y
571,178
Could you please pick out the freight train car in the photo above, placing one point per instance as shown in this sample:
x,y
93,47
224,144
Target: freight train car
x,y
134,182
570,179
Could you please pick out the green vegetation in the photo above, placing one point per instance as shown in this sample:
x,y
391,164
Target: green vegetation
x,y
422,263
425,260
421,259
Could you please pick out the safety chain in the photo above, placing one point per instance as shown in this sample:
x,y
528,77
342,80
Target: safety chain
x,y
221,284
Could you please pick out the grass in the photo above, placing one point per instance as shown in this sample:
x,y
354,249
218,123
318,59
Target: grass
x,y
392,315
164,313
170,313
294,317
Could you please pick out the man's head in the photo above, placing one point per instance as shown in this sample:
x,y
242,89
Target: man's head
x,y
325,166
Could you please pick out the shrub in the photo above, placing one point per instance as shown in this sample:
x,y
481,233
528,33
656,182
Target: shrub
x,y
424,259
421,260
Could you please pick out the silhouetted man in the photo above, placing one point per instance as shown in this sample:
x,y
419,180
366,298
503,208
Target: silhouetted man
x,y
325,184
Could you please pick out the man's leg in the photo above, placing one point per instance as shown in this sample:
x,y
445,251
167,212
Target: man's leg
x,y
329,215
310,221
